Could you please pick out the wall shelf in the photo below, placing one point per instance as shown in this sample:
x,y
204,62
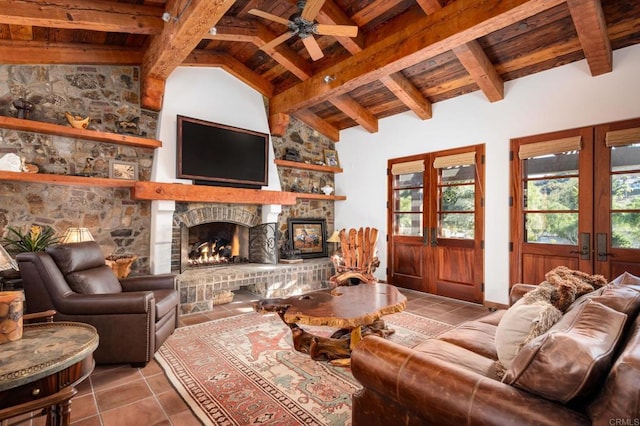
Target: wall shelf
x,y
71,132
304,196
65,179
307,166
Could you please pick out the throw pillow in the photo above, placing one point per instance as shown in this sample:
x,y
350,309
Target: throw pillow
x,y
570,359
523,322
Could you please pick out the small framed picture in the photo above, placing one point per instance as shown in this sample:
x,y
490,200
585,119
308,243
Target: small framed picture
x,y
123,170
331,158
308,236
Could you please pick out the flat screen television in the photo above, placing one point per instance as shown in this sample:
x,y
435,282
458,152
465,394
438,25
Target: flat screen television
x,y
221,155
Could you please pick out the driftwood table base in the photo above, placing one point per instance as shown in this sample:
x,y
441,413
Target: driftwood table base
x,y
356,311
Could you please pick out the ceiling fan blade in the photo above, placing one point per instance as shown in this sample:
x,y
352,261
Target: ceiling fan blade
x,y
313,48
311,9
337,30
270,46
269,16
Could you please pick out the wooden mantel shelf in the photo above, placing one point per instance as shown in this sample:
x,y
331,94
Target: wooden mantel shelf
x,y
210,194
71,132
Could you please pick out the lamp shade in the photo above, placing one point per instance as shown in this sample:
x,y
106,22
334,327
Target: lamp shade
x,y
6,261
77,235
334,238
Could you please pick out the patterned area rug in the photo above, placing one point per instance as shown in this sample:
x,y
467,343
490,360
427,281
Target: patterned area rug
x,y
243,370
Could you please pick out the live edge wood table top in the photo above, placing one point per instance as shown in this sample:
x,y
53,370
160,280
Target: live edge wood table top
x,y
41,369
355,310
345,306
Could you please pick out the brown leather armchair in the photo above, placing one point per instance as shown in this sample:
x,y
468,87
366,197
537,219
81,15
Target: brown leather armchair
x,y
133,316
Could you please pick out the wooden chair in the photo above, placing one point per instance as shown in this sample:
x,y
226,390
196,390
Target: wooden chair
x,y
358,260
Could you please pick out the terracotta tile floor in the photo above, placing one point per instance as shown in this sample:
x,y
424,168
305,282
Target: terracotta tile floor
x,y
120,395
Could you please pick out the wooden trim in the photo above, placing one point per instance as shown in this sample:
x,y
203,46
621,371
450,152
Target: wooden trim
x,y
71,132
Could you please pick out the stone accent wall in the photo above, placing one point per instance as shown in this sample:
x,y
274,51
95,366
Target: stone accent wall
x,y
109,94
311,145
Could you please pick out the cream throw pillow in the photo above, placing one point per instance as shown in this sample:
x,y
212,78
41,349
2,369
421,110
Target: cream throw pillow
x,y
520,324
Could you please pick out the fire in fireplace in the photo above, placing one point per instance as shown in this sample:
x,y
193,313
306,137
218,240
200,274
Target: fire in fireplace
x,y
218,243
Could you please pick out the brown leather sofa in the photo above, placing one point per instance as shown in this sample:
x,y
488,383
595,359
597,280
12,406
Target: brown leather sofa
x,y
133,316
584,370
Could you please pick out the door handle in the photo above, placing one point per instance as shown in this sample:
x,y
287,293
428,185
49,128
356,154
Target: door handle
x,y
601,247
585,246
434,237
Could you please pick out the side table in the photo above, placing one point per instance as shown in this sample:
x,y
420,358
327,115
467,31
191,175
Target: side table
x,y
41,370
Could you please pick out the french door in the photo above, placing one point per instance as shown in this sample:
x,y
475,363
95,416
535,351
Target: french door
x,y
576,201
436,223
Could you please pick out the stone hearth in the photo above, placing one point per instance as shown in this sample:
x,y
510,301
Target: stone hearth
x,y
202,288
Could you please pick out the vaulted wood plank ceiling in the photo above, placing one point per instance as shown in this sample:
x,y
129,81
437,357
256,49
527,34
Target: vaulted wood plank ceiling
x,y
407,55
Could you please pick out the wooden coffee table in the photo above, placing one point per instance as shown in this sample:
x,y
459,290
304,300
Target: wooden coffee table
x,y
355,311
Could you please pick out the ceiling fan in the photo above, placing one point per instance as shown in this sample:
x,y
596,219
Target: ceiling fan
x,y
303,24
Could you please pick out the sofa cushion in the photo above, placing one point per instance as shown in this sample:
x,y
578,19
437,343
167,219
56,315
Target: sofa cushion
x,y
621,294
476,336
572,357
99,280
521,323
458,356
620,395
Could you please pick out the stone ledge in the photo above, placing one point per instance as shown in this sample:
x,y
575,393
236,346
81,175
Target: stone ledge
x,y
201,288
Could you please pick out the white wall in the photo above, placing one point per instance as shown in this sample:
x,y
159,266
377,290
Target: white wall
x,y
561,98
208,94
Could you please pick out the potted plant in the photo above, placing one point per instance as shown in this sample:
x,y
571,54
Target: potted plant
x,y
37,238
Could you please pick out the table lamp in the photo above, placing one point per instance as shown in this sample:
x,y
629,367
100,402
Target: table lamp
x,y
334,238
77,235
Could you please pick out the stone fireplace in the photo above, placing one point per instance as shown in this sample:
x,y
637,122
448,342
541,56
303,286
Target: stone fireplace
x,y
249,248
220,234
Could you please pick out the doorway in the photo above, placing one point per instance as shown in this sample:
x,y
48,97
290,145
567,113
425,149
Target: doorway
x,y
576,201
436,223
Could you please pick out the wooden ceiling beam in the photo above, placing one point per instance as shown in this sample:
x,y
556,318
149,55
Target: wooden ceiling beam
x,y
315,122
252,31
21,32
233,67
481,70
588,18
178,39
109,16
288,58
408,94
357,112
401,87
474,60
373,10
23,52
456,24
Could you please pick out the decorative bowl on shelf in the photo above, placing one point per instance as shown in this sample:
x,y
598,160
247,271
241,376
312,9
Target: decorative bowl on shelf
x,y
77,121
